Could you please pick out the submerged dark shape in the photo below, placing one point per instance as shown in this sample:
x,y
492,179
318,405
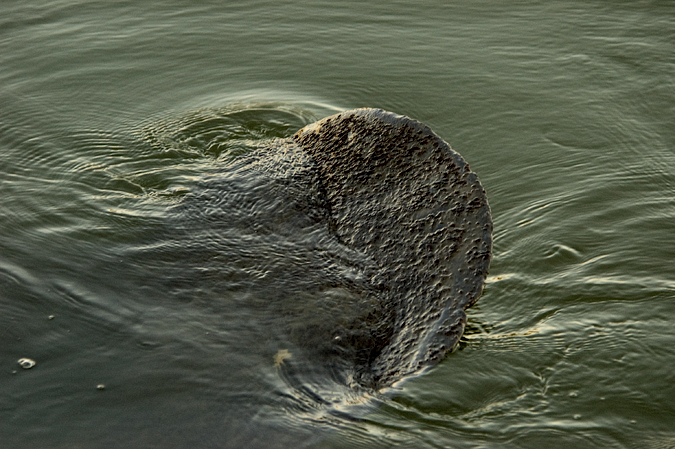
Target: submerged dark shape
x,y
395,191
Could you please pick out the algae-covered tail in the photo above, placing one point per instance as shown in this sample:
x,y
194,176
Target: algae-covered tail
x,y
398,193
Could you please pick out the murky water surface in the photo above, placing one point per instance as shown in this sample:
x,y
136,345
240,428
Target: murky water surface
x,y
164,284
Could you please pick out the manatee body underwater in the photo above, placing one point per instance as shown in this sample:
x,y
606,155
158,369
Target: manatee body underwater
x,y
394,196
339,260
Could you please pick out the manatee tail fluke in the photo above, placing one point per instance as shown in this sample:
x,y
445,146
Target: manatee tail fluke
x,y
397,192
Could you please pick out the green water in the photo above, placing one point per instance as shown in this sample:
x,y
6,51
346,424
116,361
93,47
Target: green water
x,y
112,113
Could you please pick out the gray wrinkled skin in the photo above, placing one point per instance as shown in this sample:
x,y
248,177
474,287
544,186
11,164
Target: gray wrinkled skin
x,y
392,190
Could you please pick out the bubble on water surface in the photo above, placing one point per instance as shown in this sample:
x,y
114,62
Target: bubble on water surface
x,y
26,363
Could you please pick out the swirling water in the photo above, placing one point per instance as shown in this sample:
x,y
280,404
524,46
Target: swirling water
x,y
122,266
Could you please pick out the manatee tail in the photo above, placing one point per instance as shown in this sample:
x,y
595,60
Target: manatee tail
x,y
397,192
